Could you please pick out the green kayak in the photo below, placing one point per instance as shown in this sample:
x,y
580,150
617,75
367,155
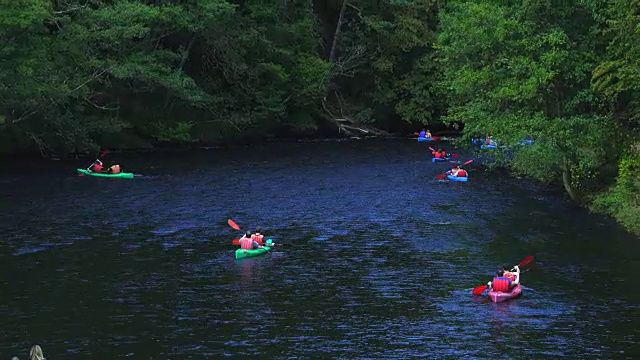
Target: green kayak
x,y
91,173
242,253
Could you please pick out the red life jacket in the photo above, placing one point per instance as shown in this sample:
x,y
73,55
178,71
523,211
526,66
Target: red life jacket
x,y
258,239
462,173
97,168
512,277
246,243
501,284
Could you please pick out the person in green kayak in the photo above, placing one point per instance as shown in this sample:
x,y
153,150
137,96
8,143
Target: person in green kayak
x,y
96,166
114,168
246,242
258,237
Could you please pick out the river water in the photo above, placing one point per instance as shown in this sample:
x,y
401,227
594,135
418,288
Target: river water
x,y
383,260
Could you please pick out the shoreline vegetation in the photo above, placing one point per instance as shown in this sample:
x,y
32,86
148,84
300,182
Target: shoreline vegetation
x,y
78,76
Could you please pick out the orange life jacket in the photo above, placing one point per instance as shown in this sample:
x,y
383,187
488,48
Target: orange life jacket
x,y
462,173
115,169
258,239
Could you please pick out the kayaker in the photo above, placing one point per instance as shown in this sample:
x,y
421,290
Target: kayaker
x,y
246,242
440,154
258,237
423,133
513,276
114,168
96,166
457,172
428,134
505,280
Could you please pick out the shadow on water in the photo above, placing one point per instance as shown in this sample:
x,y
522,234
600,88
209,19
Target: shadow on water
x,y
384,261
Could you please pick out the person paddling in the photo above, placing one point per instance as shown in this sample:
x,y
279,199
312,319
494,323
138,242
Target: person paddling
x,y
247,243
440,154
513,274
114,168
457,172
505,281
96,166
423,133
258,237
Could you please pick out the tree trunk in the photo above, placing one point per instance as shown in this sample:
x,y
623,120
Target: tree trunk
x,y
183,61
332,53
566,180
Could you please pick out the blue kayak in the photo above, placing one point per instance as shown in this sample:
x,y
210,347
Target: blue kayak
x,y
484,146
527,141
477,141
457,178
426,139
438,159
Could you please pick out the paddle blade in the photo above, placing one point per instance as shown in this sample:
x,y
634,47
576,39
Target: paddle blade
x,y
236,242
467,162
104,153
432,149
233,224
479,290
416,133
525,261
435,138
455,155
441,176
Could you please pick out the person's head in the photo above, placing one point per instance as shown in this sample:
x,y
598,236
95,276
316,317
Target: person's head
x,y
258,230
500,273
456,167
36,353
439,149
248,233
113,162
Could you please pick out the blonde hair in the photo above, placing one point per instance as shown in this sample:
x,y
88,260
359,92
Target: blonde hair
x,y
36,353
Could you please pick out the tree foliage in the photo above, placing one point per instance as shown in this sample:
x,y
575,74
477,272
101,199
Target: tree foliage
x,y
79,74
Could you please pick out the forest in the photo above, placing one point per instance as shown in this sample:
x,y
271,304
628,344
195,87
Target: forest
x,y
80,75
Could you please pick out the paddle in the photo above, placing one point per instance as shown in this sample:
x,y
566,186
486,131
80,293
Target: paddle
x,y
480,289
103,154
233,224
442,176
534,266
237,242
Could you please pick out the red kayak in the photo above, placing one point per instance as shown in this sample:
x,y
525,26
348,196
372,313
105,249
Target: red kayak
x,y
498,296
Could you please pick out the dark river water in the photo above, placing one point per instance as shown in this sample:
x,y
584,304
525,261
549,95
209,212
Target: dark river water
x,y
383,260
